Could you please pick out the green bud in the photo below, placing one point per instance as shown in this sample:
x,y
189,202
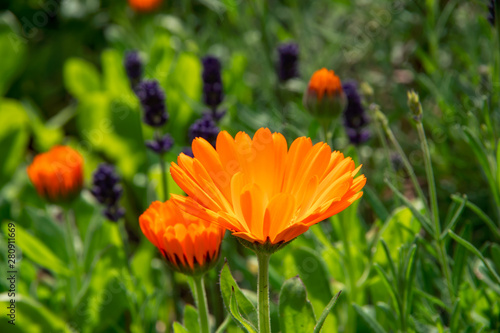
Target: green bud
x,y
414,105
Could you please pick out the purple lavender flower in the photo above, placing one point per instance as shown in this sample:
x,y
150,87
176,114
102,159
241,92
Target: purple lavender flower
x,y
288,61
213,91
107,190
491,14
211,70
152,100
358,136
114,213
355,117
205,128
133,67
161,145
188,151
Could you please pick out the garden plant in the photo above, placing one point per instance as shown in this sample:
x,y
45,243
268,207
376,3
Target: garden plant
x,y
209,166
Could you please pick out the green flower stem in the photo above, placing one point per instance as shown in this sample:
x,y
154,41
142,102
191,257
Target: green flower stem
x,y
390,134
74,280
350,278
164,177
163,170
131,300
325,126
201,302
434,209
263,292
170,273
430,177
380,133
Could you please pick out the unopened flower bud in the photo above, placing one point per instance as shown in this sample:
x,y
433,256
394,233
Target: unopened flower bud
x,y
414,105
324,97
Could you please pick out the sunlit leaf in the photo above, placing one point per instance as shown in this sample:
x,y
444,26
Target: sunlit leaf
x,y
296,313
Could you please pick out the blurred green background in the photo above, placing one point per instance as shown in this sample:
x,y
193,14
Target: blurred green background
x,y
62,80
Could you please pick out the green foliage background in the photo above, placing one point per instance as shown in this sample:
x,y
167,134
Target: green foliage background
x,y
62,81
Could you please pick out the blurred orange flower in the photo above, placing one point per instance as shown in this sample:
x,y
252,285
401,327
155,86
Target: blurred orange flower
x,y
261,190
57,174
189,244
145,5
325,81
324,96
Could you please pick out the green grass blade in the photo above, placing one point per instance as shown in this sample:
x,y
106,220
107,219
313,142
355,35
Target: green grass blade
x,y
375,326
390,287
424,221
476,252
455,217
482,215
325,313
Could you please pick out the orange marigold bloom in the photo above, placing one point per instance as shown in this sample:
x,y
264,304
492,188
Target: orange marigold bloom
x,y
325,82
262,191
57,174
324,97
145,5
189,244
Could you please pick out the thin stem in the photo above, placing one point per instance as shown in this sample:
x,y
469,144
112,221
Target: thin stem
x,y
263,291
201,302
430,177
406,162
350,278
74,280
164,177
163,170
325,130
442,256
385,147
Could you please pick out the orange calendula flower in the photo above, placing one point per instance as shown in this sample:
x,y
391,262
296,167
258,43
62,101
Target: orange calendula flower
x,y
189,244
57,174
145,5
324,97
262,191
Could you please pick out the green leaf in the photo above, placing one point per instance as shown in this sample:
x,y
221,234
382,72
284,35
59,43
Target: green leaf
x,y
235,311
460,259
31,316
34,249
482,156
426,223
81,78
409,271
454,218
377,205
222,328
399,229
115,79
390,287
375,326
191,321
495,255
49,232
13,137
296,313
482,215
325,312
314,275
498,165
13,47
476,252
178,328
392,266
431,298
228,286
